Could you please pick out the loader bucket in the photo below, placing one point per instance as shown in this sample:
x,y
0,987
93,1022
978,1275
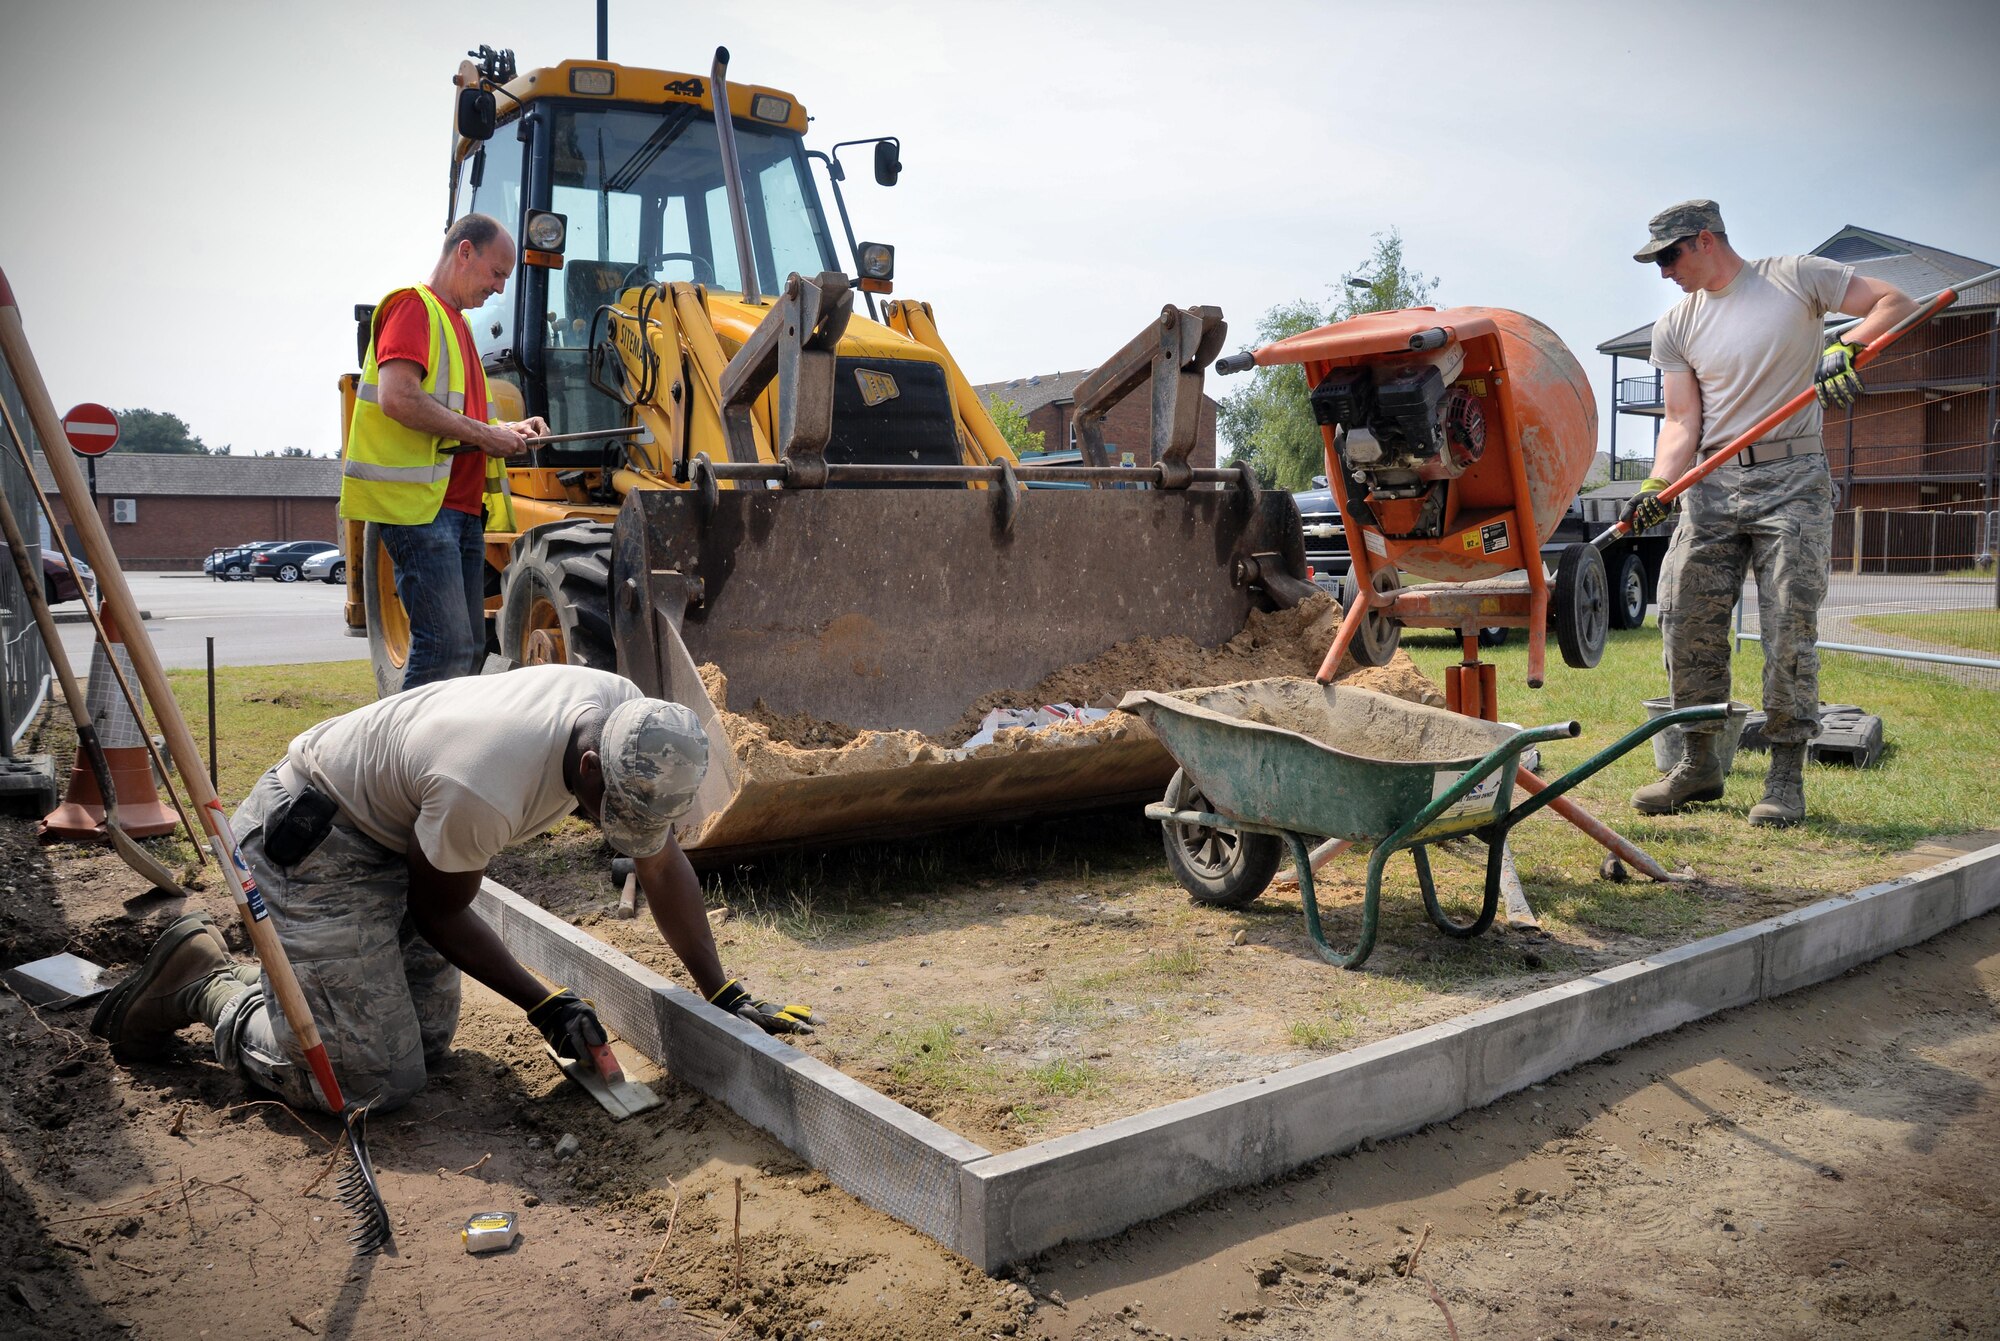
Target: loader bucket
x,y
895,610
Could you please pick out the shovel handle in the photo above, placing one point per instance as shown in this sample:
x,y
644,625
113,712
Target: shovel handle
x,y
1939,301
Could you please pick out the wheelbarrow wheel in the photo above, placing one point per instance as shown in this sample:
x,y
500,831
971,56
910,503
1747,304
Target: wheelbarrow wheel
x,y
1380,634
1224,868
1583,605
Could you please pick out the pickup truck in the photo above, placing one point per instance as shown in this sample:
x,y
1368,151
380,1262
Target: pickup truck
x,y
1632,564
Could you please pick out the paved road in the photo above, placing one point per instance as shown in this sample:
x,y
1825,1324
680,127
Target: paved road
x,y
1849,594
253,623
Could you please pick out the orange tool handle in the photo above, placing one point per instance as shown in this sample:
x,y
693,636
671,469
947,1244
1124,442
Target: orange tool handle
x,y
1751,436
61,461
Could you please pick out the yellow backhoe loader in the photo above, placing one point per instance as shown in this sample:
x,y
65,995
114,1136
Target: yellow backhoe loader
x,y
752,475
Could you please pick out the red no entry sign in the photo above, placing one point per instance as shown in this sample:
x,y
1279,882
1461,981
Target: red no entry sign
x,y
91,429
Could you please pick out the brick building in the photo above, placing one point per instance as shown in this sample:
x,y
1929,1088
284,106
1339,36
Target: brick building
x,y
168,511
1049,402
1921,441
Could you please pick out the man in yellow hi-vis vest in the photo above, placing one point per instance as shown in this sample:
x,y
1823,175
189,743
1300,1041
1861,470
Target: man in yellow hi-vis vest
x,y
423,394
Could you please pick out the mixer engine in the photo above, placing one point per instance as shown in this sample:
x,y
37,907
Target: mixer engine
x,y
1403,430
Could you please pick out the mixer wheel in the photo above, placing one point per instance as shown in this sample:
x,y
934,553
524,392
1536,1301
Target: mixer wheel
x,y
1582,605
1380,634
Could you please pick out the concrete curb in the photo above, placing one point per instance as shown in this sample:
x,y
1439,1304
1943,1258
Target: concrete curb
x,y
999,1209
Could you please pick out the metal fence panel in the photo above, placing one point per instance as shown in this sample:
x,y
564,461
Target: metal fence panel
x,y
24,661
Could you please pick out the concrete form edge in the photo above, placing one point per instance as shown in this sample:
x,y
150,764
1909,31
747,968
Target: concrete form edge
x,y
1094,1183
889,1157
999,1209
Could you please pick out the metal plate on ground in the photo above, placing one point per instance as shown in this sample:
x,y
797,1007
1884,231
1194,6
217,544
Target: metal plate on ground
x,y
59,980
620,1098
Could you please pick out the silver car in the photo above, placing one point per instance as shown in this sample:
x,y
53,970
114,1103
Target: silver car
x,y
327,566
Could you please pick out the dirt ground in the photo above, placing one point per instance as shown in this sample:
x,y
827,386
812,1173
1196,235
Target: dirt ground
x,y
1819,1166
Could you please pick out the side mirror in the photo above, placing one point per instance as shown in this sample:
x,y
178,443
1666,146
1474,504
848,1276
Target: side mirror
x,y
475,114
888,162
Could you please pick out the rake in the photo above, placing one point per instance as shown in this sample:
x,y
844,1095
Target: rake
x,y
358,1191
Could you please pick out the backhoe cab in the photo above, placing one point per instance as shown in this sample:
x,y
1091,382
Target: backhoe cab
x,y
753,474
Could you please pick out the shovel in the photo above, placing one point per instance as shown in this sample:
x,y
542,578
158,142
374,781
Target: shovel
x,y
358,1191
87,743
1933,305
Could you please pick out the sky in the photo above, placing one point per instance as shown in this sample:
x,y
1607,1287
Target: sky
x,y
197,194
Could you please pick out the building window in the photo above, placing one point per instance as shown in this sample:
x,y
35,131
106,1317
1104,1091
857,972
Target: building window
x,y
125,509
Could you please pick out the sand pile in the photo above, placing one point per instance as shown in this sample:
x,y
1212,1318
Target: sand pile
x,y
1272,644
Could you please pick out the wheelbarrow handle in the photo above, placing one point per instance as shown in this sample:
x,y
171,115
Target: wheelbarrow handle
x,y
1638,735
1504,754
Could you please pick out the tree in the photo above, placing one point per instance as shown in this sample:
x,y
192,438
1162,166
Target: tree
x,y
157,431
1013,426
1269,423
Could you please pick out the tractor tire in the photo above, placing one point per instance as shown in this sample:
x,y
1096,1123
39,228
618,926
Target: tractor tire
x,y
555,604
388,622
1628,591
1223,868
1582,605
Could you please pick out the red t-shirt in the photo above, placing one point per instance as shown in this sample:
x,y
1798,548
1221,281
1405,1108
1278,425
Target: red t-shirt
x,y
405,333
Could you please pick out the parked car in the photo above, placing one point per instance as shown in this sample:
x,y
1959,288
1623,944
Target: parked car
x,y
232,563
328,566
285,562
1326,540
59,584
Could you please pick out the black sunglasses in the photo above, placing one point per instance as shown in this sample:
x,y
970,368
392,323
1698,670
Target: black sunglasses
x,y
1666,258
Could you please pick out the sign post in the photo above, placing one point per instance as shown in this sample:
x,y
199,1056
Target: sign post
x,y
92,431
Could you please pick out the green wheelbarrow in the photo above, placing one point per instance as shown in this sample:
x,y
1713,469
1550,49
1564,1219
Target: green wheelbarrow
x,y
1269,765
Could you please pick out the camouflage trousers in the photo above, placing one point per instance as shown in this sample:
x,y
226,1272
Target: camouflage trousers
x,y
1777,521
385,1002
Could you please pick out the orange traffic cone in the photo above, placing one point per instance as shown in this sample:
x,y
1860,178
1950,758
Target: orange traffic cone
x,y
140,812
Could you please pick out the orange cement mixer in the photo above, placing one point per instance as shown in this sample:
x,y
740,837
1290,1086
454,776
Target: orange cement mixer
x,y
1456,438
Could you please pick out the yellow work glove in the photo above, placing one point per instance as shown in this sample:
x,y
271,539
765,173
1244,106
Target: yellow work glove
x,y
732,997
1646,511
1838,381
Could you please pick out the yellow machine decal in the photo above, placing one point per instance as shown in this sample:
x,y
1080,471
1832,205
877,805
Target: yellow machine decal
x,y
876,387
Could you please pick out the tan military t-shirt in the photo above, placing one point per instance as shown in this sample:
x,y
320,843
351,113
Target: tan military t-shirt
x,y
465,767
1754,345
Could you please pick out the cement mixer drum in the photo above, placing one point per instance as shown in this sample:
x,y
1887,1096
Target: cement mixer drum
x,y
1440,420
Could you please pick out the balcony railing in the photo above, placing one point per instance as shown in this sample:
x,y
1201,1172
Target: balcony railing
x,y
1639,393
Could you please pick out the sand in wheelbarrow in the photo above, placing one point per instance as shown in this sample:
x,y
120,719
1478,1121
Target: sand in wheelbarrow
x,y
1369,725
1277,643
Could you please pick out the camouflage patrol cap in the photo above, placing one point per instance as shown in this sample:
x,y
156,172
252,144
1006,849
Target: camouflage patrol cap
x,y
654,756
1675,222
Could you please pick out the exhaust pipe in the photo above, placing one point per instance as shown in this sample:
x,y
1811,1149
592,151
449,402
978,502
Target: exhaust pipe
x,y
732,173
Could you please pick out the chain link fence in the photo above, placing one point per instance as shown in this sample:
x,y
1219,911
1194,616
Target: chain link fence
x,y
24,661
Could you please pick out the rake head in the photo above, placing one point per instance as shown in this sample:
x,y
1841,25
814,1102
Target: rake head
x,y
358,1192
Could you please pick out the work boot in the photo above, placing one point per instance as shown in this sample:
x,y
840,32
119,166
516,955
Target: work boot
x,y
187,979
1697,777
1784,802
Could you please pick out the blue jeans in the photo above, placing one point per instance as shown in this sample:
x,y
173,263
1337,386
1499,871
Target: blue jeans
x,y
441,581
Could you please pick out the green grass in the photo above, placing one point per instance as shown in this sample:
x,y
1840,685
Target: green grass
x,y
938,1055
1975,631
1177,965
258,709
1935,778
1324,1034
1063,1076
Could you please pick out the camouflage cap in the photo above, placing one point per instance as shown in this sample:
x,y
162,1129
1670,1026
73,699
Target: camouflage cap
x,y
1675,222
654,756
